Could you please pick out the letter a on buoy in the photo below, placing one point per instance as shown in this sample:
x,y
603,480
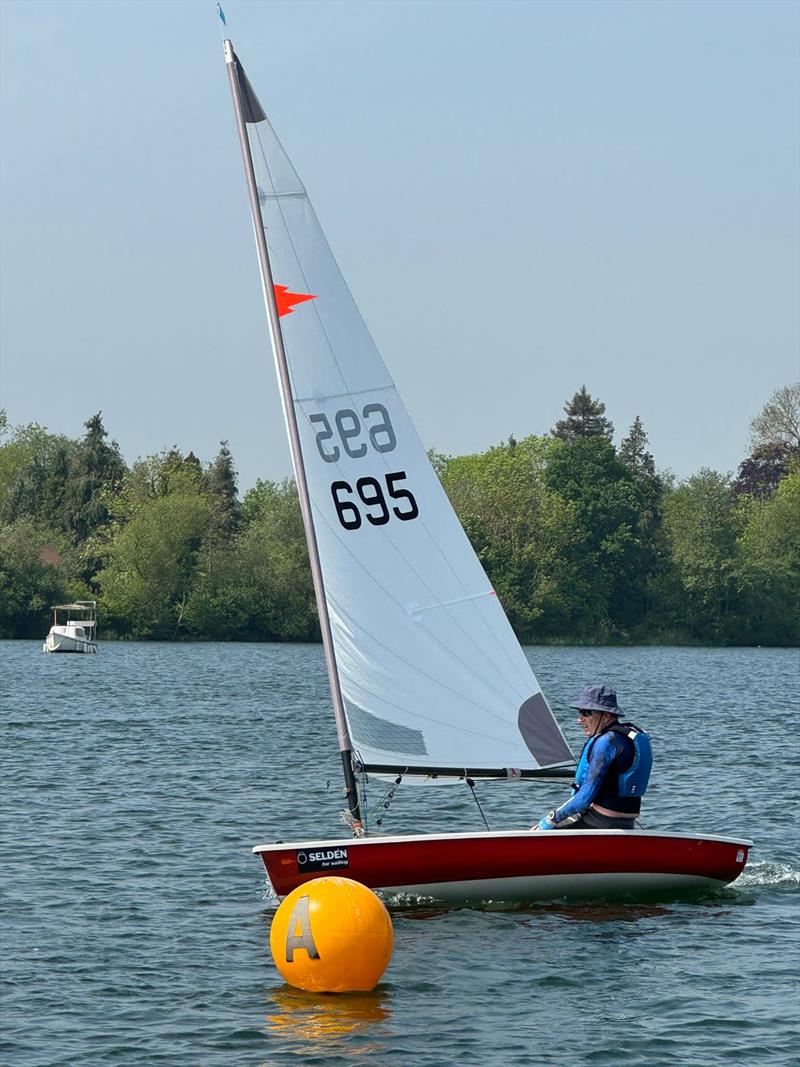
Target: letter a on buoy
x,y
298,931
332,935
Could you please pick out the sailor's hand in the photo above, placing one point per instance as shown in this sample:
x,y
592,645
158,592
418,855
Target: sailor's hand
x,y
547,823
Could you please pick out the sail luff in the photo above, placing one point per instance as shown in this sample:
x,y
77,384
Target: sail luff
x,y
276,337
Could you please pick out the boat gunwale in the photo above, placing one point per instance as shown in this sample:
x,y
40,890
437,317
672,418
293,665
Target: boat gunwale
x,y
393,839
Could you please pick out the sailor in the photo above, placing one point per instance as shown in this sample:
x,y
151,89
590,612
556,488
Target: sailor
x,y
613,770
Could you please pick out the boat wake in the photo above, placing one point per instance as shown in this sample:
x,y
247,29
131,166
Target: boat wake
x,y
269,896
772,875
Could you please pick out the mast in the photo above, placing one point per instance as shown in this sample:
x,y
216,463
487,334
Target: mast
x,y
276,337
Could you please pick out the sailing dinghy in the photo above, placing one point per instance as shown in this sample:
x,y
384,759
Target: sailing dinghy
x,y
427,679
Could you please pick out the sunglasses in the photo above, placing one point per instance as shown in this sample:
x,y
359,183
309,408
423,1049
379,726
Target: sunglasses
x,y
585,713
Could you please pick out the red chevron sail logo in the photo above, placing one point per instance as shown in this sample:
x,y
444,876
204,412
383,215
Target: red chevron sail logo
x,y
286,301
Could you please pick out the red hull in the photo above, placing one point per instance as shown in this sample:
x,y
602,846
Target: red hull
x,y
516,865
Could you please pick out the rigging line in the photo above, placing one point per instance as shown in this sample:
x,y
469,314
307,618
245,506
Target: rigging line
x,y
388,796
288,231
471,784
363,799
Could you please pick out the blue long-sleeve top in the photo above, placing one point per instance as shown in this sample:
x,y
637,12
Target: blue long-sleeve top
x,y
605,750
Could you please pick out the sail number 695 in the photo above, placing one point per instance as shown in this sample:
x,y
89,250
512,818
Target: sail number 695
x,y
372,501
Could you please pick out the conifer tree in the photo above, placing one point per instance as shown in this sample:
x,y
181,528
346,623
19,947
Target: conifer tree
x,y
633,450
585,418
633,453
96,467
221,485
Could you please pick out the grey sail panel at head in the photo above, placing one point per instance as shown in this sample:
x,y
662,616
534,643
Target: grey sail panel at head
x,y
253,111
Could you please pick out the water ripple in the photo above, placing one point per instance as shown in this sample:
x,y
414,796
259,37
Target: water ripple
x,y
136,921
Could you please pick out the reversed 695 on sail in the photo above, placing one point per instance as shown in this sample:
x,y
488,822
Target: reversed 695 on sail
x,y
352,433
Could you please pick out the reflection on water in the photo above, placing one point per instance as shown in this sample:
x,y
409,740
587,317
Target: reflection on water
x,y
421,912
602,913
323,1017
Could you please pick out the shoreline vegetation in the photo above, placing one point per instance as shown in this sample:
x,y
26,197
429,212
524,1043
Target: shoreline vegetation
x,y
585,542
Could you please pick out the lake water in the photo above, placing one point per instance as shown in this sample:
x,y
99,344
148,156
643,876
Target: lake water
x,y
136,919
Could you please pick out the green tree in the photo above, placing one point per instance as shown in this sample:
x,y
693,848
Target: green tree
x,y
217,563
34,467
519,529
96,470
158,475
30,578
585,418
768,564
633,452
650,486
221,485
150,561
702,523
612,559
259,586
273,557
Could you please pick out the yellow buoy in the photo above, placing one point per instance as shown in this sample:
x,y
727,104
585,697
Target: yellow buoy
x,y
332,935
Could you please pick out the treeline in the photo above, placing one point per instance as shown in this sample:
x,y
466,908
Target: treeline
x,y
583,541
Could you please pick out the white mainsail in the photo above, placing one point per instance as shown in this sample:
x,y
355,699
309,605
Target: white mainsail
x,y
432,677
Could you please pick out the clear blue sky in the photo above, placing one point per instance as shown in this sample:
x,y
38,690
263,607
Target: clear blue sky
x,y
523,197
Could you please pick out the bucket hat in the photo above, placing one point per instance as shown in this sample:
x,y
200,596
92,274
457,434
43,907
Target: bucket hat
x,y
597,698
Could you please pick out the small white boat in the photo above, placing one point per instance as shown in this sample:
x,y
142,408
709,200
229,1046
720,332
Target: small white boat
x,y
74,628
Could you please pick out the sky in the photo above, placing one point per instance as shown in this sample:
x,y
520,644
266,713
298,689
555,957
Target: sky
x,y
523,198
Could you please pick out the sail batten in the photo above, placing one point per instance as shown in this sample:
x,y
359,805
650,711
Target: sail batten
x,y
500,678
350,394
465,668
431,676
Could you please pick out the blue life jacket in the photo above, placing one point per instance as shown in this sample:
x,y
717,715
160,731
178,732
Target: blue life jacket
x,y
627,777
